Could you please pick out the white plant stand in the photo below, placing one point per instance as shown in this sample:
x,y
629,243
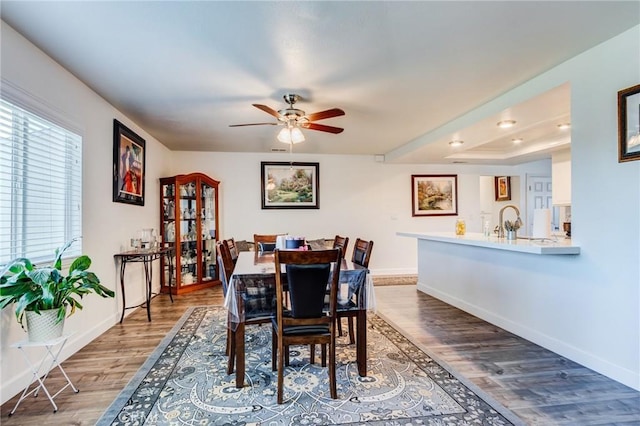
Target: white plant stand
x,y
38,370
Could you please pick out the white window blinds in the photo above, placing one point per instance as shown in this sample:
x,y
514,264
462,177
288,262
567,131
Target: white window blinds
x,y
40,186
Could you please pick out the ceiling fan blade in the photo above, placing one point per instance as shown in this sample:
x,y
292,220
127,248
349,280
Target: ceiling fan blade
x,y
253,124
322,128
268,110
330,113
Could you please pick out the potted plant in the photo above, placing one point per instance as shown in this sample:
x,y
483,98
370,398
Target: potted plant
x,y
44,293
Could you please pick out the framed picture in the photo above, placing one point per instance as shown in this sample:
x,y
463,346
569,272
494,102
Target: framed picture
x,y
629,124
128,165
503,188
434,195
290,185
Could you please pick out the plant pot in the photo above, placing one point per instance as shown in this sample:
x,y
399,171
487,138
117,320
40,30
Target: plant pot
x,y
43,327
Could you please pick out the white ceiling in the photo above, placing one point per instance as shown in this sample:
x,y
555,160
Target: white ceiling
x,y
185,71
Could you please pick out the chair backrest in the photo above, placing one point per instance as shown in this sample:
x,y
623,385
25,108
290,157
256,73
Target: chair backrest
x,y
225,264
341,243
362,252
265,242
308,273
233,249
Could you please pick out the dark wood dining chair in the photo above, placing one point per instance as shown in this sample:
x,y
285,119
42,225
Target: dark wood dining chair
x,y
225,265
305,322
341,243
265,242
233,249
361,256
252,316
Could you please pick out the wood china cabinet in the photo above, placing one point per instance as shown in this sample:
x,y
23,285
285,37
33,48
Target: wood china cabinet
x,y
189,222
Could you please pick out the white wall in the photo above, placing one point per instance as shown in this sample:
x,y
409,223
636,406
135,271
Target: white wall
x,y
372,201
107,226
588,307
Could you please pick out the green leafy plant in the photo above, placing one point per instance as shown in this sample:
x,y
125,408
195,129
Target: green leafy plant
x,y
36,289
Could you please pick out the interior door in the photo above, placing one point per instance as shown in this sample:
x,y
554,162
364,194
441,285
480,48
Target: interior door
x,y
539,197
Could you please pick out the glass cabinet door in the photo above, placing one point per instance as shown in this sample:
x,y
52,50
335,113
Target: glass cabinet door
x,y
188,217
168,231
208,232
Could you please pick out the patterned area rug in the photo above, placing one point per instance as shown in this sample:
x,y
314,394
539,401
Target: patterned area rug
x,y
184,382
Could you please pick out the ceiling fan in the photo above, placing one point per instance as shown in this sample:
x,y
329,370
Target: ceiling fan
x,y
294,118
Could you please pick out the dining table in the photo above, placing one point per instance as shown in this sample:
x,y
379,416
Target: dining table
x,y
252,290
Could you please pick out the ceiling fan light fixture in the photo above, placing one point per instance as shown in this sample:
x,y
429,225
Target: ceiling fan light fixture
x,y
456,143
296,135
290,135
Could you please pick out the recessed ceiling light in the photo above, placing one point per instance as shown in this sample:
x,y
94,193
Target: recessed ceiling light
x,y
505,124
517,140
564,126
456,143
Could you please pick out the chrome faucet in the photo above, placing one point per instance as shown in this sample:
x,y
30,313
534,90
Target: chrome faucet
x,y
501,226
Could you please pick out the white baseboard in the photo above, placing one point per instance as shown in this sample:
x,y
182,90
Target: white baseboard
x,y
615,372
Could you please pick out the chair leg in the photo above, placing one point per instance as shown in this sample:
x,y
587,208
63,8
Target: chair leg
x,y
312,354
274,349
332,369
339,321
281,351
352,339
324,355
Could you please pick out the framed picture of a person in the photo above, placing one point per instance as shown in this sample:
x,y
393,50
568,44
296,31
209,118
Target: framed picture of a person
x,y
128,165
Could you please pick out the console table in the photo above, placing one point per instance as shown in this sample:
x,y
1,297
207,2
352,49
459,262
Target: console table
x,y
146,257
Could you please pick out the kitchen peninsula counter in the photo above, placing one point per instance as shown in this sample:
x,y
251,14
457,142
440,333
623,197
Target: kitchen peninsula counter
x,y
562,246
512,284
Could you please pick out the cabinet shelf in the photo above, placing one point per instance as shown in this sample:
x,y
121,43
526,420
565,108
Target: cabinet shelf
x,y
195,264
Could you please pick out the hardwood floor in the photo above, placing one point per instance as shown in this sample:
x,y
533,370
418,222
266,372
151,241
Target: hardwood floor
x,y
541,387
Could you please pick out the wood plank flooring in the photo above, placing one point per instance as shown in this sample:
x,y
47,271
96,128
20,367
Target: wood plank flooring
x,y
541,387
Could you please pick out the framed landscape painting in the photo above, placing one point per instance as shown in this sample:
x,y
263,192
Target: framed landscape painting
x,y
290,185
434,195
128,165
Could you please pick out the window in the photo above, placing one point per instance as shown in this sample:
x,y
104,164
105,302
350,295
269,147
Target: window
x,y
40,186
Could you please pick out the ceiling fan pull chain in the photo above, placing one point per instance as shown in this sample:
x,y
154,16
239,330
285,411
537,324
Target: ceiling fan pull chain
x,y
291,154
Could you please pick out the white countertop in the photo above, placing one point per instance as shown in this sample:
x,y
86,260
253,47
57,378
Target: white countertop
x,y
562,246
